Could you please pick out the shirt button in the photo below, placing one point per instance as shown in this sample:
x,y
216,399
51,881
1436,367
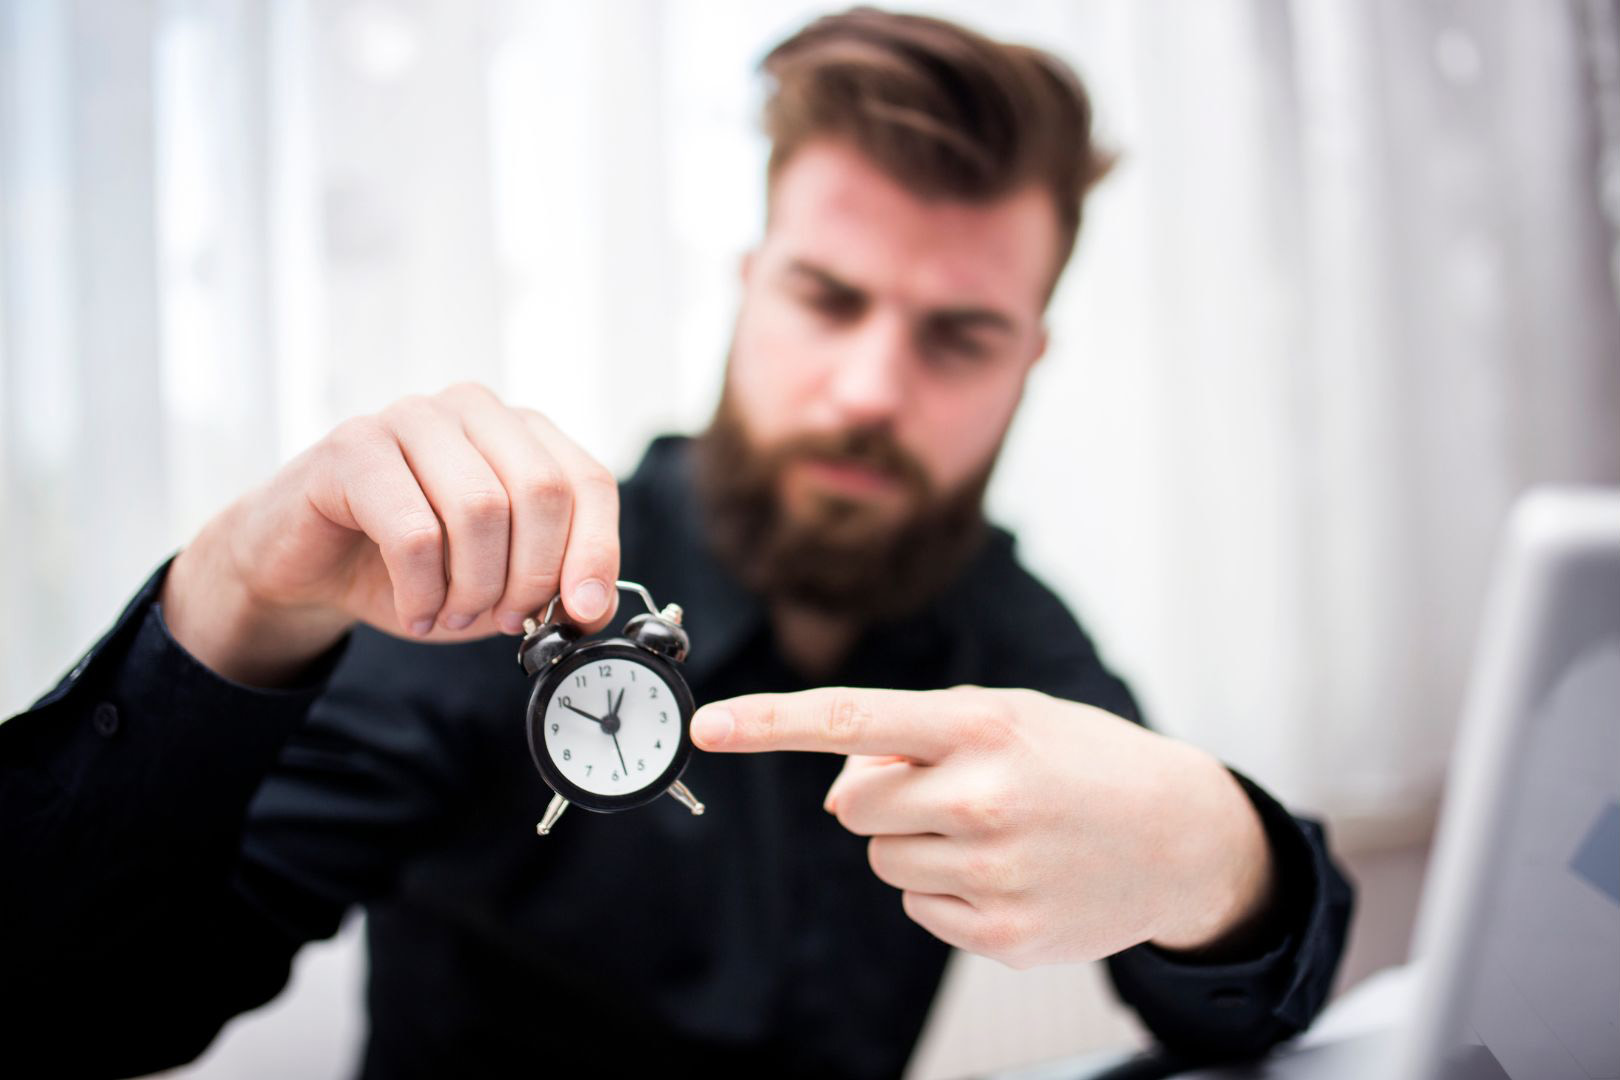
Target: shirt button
x,y
1228,997
105,720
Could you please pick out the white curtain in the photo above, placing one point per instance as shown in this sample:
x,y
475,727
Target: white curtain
x,y
1352,288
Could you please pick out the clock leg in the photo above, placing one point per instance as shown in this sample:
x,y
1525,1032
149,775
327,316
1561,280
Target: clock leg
x,y
683,795
553,812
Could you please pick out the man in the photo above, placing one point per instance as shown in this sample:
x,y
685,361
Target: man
x,y
315,706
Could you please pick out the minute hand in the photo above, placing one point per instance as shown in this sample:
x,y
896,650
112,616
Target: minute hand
x,y
613,711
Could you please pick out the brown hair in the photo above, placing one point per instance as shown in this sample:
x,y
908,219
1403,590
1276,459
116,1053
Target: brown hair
x,y
944,111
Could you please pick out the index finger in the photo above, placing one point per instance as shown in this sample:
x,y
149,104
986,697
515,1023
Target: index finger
x,y
919,725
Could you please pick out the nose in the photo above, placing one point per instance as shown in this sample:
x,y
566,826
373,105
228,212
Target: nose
x,y
868,386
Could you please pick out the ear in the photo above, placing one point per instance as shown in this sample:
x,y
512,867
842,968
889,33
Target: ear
x,y
1042,340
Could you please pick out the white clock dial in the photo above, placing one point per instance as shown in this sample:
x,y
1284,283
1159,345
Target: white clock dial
x,y
580,737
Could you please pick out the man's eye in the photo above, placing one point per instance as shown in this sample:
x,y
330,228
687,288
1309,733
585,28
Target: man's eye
x,y
835,305
958,346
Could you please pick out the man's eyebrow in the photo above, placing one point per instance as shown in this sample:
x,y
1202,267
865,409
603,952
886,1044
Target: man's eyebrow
x,y
825,278
957,318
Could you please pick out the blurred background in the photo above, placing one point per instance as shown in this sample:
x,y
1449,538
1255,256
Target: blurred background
x,y
1351,289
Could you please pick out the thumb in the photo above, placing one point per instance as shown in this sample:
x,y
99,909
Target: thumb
x,y
854,764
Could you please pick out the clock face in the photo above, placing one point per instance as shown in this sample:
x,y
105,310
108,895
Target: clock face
x,y
613,724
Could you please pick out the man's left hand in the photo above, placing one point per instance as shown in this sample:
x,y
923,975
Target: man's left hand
x,y
1023,827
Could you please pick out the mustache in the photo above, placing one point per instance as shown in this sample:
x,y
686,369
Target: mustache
x,y
869,447
838,557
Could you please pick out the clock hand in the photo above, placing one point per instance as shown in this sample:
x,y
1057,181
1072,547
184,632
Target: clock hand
x,y
616,704
582,712
622,765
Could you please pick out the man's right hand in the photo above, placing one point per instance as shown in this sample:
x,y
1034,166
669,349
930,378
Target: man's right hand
x,y
441,518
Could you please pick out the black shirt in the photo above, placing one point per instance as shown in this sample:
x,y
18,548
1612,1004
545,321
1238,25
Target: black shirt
x,y
171,838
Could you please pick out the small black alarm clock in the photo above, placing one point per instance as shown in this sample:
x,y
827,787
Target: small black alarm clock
x,y
609,721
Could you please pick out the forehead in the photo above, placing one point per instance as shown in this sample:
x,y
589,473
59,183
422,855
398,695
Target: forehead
x,y
834,208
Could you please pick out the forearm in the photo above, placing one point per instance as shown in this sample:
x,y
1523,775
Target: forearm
x,y
122,793
128,782
143,735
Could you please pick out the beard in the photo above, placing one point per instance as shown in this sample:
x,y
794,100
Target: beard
x,y
840,557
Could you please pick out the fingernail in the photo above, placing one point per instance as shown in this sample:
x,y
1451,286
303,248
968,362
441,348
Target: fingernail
x,y
827,805
422,627
711,727
590,600
510,622
459,622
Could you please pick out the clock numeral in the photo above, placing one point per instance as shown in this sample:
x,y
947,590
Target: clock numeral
x,y
652,691
615,776
632,674
663,718
641,765
588,769
554,728
659,745
568,755
579,680
565,701
605,670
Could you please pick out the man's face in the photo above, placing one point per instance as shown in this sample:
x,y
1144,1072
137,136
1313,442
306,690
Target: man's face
x,y
869,308
881,347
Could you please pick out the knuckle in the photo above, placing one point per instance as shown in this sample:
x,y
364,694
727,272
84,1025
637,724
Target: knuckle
x,y
877,857
546,488
1001,934
988,874
417,537
986,719
599,481
963,811
848,718
356,435
482,507
767,719
532,586
849,818
987,809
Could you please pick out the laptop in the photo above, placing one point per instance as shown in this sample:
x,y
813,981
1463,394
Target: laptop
x,y
1518,935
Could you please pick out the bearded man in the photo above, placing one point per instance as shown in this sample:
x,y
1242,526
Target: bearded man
x,y
314,705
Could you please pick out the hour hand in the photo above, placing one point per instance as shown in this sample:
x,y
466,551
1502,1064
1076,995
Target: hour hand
x,y
582,712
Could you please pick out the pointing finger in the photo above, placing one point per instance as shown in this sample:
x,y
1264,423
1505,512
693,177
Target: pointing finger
x,y
840,720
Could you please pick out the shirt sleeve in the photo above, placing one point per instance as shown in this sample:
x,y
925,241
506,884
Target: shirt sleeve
x,y
1199,1010
123,792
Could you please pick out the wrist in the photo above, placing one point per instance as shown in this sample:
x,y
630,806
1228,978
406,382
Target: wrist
x,y
216,616
1234,872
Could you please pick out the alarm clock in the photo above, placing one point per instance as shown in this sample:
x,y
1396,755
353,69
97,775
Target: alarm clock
x,y
609,721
